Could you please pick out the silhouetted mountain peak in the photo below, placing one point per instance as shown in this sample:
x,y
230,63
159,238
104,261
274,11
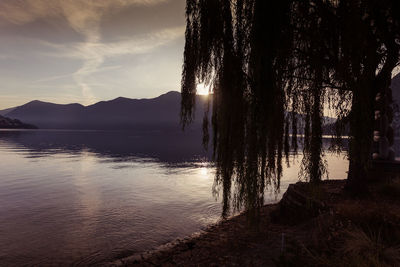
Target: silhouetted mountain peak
x,y
121,99
170,95
35,102
116,102
43,103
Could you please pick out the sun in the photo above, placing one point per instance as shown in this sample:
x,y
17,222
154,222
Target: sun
x,y
202,89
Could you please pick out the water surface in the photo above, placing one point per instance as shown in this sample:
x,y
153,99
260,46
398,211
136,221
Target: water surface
x,y
84,197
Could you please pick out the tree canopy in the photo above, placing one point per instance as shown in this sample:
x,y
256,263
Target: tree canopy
x,y
273,66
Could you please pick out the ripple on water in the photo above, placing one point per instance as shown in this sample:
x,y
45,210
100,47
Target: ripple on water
x,y
62,203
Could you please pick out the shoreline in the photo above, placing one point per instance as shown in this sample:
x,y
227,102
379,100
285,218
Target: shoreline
x,y
305,228
181,245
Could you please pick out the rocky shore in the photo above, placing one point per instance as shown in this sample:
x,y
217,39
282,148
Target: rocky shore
x,y
311,226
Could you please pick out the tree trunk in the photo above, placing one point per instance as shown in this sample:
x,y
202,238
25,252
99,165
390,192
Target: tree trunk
x,y
362,118
356,178
361,130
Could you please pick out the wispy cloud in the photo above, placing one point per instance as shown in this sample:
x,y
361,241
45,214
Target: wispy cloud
x,y
84,16
94,53
79,13
68,75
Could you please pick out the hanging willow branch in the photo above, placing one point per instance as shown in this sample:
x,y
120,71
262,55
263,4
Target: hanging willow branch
x,y
272,66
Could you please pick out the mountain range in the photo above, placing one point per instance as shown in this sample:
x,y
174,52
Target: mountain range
x,y
160,113
118,114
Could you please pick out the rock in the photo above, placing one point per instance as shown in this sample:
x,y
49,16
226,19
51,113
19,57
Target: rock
x,y
297,206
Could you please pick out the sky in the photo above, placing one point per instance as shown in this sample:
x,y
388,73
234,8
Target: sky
x,y
85,51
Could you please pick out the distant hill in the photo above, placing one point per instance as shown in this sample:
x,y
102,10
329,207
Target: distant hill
x,y
7,123
158,113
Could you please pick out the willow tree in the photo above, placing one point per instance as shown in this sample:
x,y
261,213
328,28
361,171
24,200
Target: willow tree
x,y
272,66
369,33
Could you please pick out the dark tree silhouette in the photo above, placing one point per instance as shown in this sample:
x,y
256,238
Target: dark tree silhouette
x,y
272,67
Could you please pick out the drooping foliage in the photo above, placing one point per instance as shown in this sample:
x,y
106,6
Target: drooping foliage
x,y
273,67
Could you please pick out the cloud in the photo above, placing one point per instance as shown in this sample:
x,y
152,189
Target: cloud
x,y
78,12
68,75
94,53
84,17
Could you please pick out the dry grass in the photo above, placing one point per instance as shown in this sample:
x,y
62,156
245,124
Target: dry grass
x,y
353,247
357,232
369,248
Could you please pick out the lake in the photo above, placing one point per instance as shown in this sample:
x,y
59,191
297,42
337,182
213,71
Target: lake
x,y
85,197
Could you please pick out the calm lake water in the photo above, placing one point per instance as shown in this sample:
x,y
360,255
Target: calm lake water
x,y
85,197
